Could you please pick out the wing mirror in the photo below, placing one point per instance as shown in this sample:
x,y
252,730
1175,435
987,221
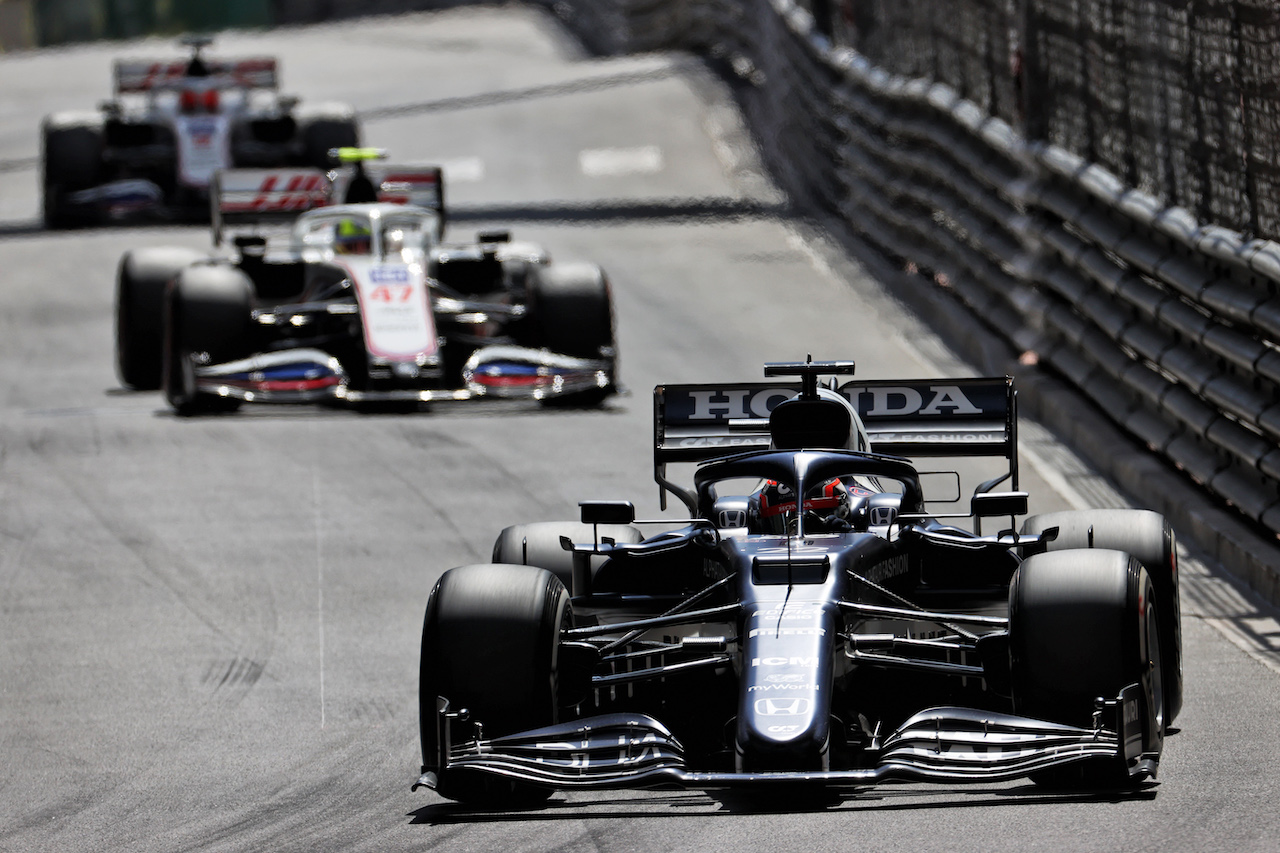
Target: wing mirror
x,y
608,512
991,504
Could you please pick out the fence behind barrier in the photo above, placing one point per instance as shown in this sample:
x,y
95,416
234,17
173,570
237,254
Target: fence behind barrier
x,y
1169,324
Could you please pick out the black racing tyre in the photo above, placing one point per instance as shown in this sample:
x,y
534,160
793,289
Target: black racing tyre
x,y
324,133
538,544
72,161
141,280
1147,536
209,321
490,645
571,313
1083,625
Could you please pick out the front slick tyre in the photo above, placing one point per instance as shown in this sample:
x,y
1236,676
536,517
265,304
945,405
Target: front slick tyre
x,y
141,283
572,314
208,320
1083,625
490,642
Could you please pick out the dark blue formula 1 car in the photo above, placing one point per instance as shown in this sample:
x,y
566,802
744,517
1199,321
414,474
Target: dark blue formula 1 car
x,y
812,623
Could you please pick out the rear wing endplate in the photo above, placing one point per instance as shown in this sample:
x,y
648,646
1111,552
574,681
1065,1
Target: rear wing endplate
x,y
912,418
134,76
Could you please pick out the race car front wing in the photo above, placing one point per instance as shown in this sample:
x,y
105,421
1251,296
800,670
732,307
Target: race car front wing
x,y
943,744
306,375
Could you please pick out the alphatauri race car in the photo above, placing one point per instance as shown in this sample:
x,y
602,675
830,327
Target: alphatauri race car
x,y
152,150
357,302
812,624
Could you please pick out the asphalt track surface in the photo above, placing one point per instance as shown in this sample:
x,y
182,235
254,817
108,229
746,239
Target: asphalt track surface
x,y
209,628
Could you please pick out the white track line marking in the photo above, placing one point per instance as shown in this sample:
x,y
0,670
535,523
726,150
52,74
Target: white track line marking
x,y
319,539
463,170
611,162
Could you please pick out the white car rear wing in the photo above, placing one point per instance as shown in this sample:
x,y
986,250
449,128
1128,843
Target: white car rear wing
x,y
265,196
134,76
422,186
255,197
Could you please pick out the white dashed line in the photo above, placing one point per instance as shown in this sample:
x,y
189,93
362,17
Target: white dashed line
x,y
610,162
463,170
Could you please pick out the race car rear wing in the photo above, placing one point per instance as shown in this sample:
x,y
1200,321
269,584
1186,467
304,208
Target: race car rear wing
x,y
911,418
421,186
133,76
262,197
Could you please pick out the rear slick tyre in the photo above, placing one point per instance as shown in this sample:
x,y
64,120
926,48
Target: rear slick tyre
x,y
538,544
1147,537
72,150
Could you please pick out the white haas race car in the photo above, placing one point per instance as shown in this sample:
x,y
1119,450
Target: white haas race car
x,y
152,150
357,302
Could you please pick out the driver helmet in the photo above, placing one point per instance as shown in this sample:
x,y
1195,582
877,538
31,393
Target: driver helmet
x,y
351,237
825,421
772,507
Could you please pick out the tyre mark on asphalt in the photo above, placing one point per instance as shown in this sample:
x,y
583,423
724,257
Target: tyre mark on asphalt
x,y
18,164
13,563
245,623
236,671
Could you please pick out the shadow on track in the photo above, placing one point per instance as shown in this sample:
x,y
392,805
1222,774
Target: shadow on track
x,y
718,208
29,228
20,229
709,209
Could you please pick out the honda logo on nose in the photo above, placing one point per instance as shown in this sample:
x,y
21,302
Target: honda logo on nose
x,y
782,707
733,518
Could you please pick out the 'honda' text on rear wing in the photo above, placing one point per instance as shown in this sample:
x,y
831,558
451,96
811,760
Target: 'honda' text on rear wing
x,y
911,418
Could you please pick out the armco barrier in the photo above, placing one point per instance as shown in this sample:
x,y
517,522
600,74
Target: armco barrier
x,y
1169,325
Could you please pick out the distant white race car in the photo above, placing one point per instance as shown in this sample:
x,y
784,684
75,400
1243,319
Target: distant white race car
x,y
358,302
152,150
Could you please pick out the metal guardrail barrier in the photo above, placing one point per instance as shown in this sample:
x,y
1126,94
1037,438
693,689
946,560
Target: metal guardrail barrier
x,y
1170,325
